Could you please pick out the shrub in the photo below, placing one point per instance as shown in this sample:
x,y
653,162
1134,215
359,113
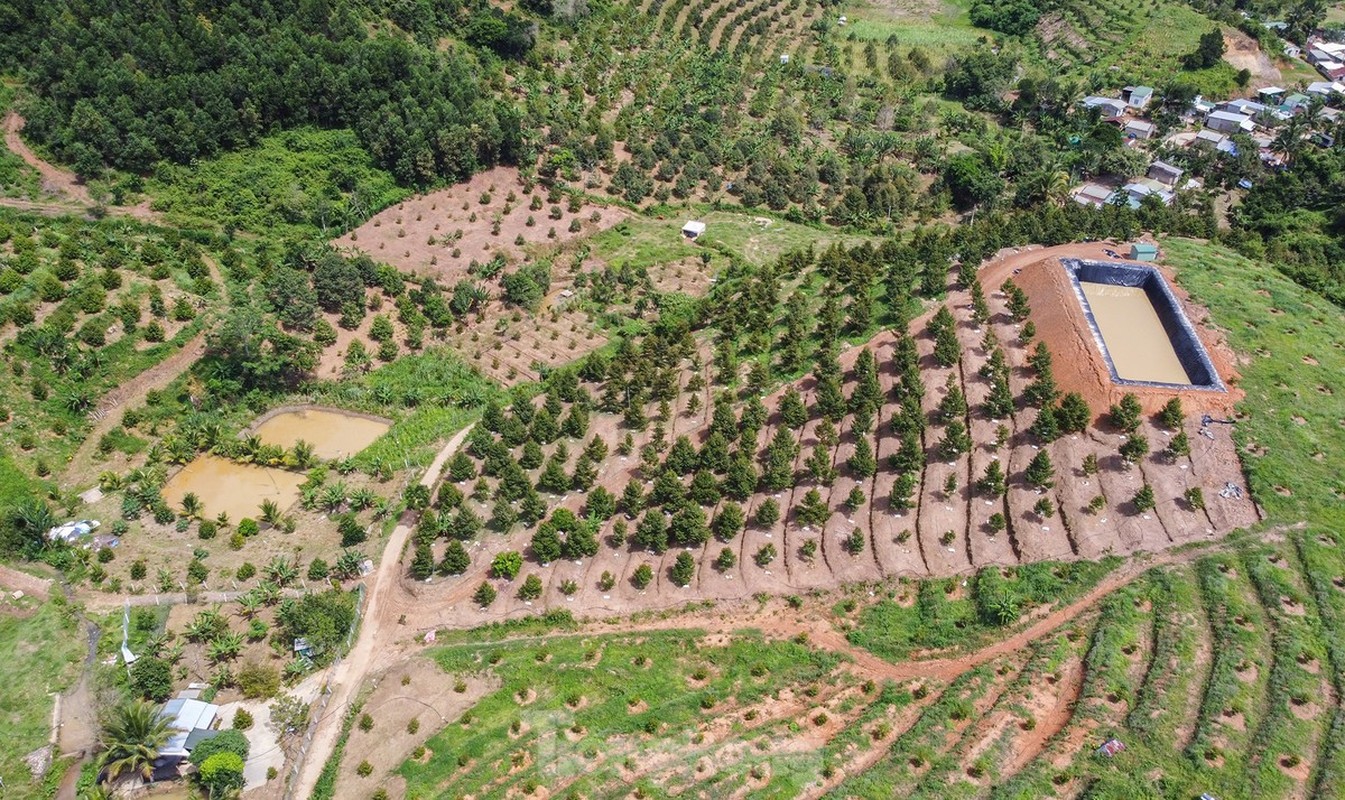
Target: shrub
x,y
642,576
257,680
242,720
765,555
506,565
485,594
531,588
366,723
365,769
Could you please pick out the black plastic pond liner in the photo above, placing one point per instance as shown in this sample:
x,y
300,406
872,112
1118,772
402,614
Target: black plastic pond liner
x,y
1190,351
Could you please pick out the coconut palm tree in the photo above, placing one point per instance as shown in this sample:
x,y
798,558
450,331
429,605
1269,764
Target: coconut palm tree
x,y
131,738
270,512
192,505
303,454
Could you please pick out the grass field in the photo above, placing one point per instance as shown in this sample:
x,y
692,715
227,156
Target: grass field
x,y
939,27
1292,434
645,242
589,712
41,654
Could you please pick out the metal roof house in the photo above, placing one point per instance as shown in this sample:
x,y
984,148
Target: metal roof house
x,y
1228,122
1143,251
1165,173
191,721
1139,129
1110,107
1137,96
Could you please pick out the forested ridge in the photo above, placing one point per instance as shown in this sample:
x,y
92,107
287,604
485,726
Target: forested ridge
x,y
132,84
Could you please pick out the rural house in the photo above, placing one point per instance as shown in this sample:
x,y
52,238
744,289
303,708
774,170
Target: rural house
x,y
1109,107
1165,173
1139,129
1137,97
1228,122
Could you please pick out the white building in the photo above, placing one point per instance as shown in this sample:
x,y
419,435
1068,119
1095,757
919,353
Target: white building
x,y
693,229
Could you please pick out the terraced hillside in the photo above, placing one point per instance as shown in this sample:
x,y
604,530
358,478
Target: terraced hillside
x,y
1216,665
913,461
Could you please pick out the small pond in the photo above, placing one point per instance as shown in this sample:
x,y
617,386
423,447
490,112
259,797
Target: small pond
x,y
236,489
333,434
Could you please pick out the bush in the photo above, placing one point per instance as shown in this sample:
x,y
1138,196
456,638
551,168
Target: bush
x,y
152,678
242,720
366,723
257,680
365,769
485,594
222,773
642,576
230,741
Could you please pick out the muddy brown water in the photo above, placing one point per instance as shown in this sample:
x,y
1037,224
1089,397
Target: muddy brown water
x,y
333,434
237,489
1139,346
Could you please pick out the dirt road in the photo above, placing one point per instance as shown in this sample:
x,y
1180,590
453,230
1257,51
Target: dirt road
x,y
54,179
373,647
60,183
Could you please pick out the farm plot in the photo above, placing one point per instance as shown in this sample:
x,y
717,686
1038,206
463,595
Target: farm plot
x,y
624,495
442,234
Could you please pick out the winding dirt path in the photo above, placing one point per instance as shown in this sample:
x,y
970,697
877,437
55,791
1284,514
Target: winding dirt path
x,y
373,647
59,182
54,179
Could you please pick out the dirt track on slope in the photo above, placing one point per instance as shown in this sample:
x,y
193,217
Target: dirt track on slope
x,y
377,633
59,182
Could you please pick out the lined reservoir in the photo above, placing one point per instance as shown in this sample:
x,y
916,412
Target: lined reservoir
x,y
236,489
333,434
1139,345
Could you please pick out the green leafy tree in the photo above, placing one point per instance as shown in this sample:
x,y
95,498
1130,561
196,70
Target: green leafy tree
x,y
485,595
506,565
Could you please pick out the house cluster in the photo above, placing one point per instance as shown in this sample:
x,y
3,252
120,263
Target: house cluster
x,y
1214,123
1327,57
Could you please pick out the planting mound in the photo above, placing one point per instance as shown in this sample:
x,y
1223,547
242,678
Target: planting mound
x,y
1080,364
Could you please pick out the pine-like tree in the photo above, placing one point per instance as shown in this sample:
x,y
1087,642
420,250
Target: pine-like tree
x,y
862,463
683,569
652,532
1040,472
793,412
456,560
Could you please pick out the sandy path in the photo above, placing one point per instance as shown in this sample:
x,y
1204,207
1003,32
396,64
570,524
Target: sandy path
x,y
375,635
114,404
54,179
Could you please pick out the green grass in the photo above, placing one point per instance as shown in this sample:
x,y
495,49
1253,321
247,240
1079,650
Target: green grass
x,y
42,650
593,683
934,621
941,28
1291,435
643,242
302,181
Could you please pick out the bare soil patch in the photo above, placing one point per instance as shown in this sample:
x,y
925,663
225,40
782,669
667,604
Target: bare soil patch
x,y
421,235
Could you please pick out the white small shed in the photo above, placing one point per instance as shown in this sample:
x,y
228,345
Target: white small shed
x,y
693,229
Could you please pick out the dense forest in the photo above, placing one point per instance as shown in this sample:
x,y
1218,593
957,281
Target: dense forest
x,y
132,84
